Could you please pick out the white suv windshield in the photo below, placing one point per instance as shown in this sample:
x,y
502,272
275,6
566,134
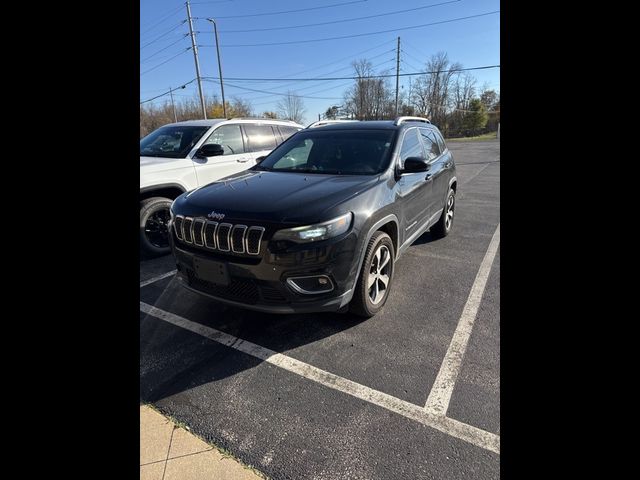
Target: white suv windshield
x,y
171,141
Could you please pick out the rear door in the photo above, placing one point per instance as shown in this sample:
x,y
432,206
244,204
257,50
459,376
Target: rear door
x,y
235,158
414,189
260,140
440,168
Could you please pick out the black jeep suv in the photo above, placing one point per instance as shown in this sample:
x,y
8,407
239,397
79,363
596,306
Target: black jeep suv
x,y
319,223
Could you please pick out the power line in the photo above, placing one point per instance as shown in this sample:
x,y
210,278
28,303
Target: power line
x,y
164,48
164,34
396,12
359,34
291,11
160,64
342,59
211,79
164,19
168,91
411,56
356,78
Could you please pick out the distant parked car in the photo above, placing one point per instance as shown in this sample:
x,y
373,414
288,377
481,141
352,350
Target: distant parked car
x,y
180,157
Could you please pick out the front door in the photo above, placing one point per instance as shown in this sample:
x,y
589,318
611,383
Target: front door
x,y
413,189
235,158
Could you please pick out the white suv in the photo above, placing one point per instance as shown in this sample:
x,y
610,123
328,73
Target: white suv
x,y
180,157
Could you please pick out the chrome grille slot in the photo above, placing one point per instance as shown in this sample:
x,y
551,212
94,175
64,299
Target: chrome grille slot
x,y
197,229
223,237
237,238
210,234
186,230
177,226
254,237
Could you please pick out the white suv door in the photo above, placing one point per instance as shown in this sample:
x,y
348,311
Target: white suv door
x,y
235,158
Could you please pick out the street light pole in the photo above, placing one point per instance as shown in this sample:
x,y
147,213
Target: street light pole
x,y
215,30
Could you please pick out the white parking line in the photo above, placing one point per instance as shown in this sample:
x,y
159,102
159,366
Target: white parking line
x,y
159,277
468,433
438,400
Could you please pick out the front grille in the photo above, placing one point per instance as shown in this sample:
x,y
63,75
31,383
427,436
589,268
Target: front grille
x,y
237,238
177,225
239,290
254,237
223,237
186,229
198,226
272,294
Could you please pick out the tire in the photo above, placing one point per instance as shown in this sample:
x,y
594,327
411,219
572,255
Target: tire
x,y
443,226
154,219
362,303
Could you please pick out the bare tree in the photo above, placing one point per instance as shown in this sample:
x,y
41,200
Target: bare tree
x,y
432,95
369,98
154,116
291,107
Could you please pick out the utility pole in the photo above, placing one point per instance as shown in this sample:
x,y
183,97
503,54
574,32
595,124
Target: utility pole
x,y
215,30
318,117
175,116
397,74
194,46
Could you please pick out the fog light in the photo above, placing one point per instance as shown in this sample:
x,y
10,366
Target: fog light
x,y
310,285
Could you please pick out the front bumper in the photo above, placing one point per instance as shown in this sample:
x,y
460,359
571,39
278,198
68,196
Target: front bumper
x,y
260,284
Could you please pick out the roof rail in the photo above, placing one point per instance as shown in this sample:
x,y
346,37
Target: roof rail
x,y
262,118
400,120
320,123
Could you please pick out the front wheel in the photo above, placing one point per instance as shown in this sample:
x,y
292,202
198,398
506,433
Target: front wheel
x,y
154,225
376,276
443,226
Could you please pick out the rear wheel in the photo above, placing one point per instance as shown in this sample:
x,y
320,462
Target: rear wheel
x,y
376,275
154,225
444,224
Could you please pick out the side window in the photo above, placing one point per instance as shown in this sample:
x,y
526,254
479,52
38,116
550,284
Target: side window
x,y
410,146
287,131
261,137
277,133
440,140
230,137
430,145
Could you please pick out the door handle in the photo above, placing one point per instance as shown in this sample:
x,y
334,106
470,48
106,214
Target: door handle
x,y
242,160
428,177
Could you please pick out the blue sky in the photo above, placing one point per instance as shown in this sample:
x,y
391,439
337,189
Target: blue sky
x,y
473,42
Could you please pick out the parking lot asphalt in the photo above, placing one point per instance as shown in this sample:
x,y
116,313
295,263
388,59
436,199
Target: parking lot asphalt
x,y
284,416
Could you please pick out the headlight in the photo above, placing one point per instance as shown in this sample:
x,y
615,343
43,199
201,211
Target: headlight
x,y
317,232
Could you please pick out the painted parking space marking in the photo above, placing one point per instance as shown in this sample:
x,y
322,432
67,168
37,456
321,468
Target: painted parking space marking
x,y
158,278
468,433
440,395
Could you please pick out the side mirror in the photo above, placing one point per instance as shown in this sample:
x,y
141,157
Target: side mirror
x,y
416,164
260,159
210,150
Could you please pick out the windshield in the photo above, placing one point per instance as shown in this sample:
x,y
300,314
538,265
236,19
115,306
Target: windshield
x,y
171,141
345,152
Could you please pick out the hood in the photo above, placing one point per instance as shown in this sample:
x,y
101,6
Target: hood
x,y
287,197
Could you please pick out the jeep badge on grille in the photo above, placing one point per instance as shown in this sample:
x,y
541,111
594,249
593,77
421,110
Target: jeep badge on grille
x,y
216,216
